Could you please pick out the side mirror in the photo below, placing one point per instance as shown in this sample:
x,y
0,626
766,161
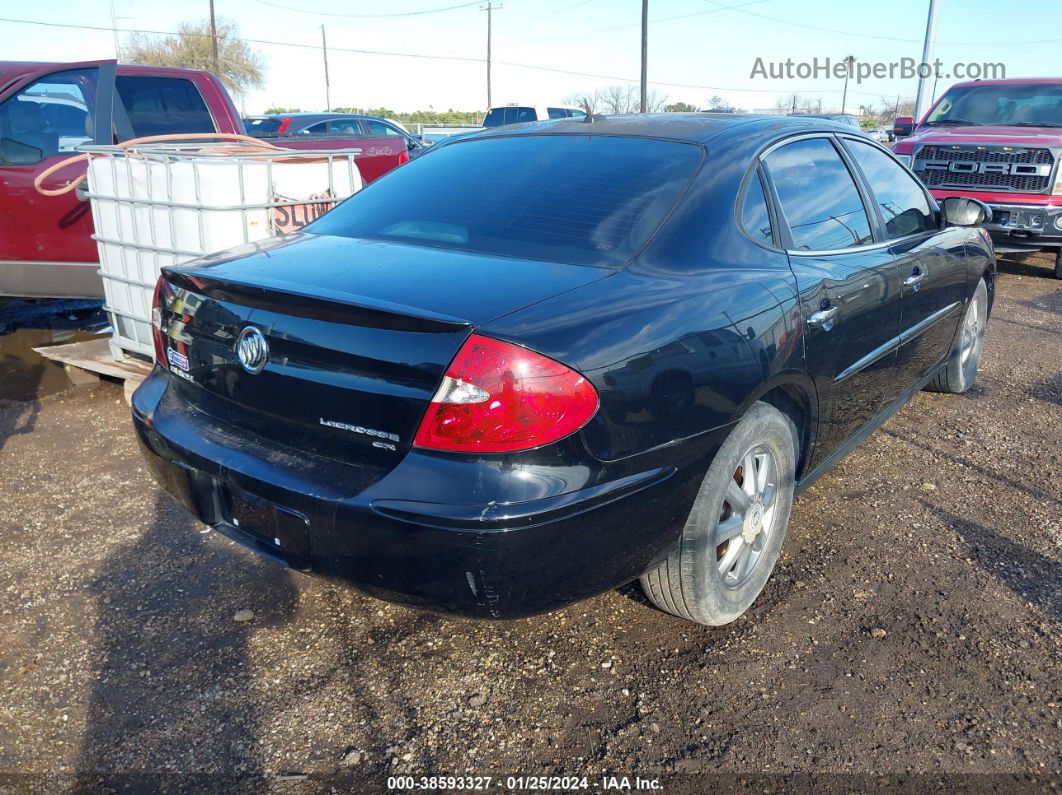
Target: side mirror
x,y
903,126
964,211
16,153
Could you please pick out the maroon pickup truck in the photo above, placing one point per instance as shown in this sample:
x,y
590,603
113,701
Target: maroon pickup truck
x,y
47,110
999,141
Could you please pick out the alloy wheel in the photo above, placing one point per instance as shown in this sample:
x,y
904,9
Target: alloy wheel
x,y
748,516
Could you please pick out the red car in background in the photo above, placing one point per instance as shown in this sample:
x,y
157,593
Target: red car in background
x,y
47,110
999,141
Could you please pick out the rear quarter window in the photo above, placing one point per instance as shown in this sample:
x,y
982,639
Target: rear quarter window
x,y
163,105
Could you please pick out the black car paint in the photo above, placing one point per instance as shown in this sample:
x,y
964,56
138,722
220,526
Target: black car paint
x,y
699,326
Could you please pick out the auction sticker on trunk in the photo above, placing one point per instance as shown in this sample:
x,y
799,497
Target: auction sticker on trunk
x,y
177,359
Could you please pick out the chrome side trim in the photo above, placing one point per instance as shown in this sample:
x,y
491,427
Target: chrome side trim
x,y
923,325
876,354
902,339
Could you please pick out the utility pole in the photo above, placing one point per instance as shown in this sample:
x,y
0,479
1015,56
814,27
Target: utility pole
x,y
645,57
849,60
490,8
214,40
114,30
927,56
328,89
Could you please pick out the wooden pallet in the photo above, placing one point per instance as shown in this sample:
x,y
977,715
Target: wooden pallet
x,y
86,361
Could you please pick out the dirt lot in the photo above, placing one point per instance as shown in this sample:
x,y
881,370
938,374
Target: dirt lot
x,y
912,628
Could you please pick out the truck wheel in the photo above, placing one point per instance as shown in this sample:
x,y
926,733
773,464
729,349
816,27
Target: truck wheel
x,y
733,535
961,370
1058,264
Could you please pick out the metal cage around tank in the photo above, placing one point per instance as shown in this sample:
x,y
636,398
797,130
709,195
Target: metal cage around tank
x,y
159,205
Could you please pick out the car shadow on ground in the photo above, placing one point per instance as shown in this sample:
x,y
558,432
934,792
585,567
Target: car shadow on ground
x,y
172,701
1032,264
988,473
1030,575
1049,389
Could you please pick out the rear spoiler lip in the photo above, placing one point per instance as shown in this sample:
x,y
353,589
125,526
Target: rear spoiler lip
x,y
328,305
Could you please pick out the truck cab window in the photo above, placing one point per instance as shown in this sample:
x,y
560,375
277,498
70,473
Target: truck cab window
x,y
163,105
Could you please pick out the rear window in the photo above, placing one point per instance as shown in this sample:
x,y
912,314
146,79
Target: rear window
x,y
260,128
163,105
510,114
585,200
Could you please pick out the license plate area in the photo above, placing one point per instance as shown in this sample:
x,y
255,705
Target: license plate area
x,y
272,528
1032,220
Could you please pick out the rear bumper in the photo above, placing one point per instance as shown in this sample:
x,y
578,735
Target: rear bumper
x,y
588,529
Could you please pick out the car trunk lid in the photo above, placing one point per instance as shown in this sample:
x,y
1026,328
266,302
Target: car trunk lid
x,y
358,335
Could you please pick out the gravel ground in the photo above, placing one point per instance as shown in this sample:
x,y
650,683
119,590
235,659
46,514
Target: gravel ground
x,y
909,637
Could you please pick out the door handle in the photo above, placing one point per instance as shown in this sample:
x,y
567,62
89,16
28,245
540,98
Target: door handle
x,y
914,281
823,318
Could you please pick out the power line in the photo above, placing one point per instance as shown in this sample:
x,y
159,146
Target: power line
x,y
366,16
459,58
560,11
637,24
740,10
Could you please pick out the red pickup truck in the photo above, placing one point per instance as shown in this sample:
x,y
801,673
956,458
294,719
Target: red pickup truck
x,y
47,110
999,141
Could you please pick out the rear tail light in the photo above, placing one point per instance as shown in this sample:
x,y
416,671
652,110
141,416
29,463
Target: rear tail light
x,y
499,398
160,300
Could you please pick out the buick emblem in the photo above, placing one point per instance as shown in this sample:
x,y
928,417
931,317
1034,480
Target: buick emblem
x,y
252,350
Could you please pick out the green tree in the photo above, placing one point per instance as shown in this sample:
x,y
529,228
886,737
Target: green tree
x,y
679,107
241,68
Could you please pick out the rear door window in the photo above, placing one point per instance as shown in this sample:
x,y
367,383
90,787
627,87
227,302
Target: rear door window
x,y
374,127
344,127
163,105
625,188
559,113
818,197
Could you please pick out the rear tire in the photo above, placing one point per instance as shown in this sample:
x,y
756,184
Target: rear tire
x,y
734,533
960,373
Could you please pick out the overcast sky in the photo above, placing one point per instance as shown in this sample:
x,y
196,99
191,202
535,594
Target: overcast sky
x,y
708,49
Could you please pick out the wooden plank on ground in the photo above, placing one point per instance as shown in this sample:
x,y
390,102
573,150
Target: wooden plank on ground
x,y
95,357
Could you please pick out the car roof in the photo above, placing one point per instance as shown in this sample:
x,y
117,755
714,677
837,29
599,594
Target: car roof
x,y
313,114
688,127
12,69
1010,81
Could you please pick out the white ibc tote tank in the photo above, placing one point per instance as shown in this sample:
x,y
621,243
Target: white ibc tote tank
x,y
155,205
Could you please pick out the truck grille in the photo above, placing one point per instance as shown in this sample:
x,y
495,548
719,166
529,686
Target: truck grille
x,y
934,165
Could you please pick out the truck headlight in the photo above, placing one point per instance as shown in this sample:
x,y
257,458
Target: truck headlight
x,y
905,159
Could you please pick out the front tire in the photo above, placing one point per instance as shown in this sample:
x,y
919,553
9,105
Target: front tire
x,y
960,373
733,535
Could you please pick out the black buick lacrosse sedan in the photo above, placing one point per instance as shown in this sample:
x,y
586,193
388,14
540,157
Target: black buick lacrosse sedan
x,y
546,360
